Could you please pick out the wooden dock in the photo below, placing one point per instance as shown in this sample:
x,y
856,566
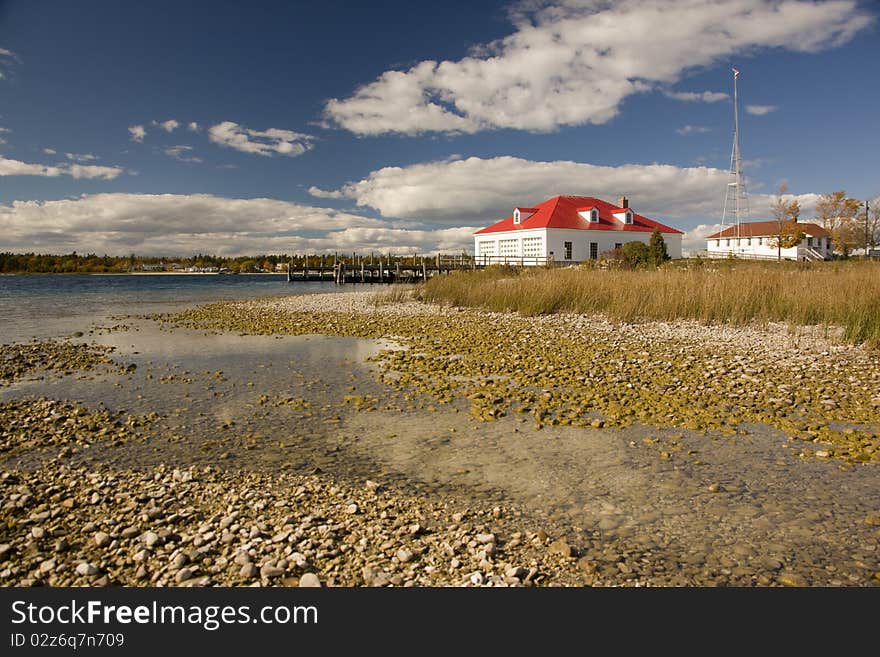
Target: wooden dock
x,y
391,269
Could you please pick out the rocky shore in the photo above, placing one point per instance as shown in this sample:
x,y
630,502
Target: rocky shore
x,y
677,446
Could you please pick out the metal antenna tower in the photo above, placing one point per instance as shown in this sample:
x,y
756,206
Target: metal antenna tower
x,y
736,199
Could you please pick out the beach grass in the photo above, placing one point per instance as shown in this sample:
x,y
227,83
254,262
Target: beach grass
x,y
843,294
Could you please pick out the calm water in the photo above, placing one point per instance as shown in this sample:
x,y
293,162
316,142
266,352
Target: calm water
x,y
53,305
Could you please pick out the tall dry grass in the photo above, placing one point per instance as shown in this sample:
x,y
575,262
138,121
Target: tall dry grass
x,y
845,294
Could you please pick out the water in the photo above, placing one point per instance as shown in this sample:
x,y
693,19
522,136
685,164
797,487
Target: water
x,y
51,305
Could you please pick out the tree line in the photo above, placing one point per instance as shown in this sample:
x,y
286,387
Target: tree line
x,y
75,263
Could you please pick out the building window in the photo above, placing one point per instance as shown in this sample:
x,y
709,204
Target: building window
x,y
508,247
810,242
629,217
594,216
487,248
748,241
594,250
728,241
717,242
516,215
533,247
567,246
760,241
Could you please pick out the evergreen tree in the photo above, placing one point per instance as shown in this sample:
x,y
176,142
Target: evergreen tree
x,y
657,253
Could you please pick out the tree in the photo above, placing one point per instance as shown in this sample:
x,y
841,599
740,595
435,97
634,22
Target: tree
x,y
785,214
635,253
657,253
873,220
838,213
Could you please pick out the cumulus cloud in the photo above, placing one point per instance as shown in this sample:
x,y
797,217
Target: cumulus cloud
x,y
6,57
137,132
259,142
697,96
10,167
574,62
80,157
50,151
168,126
7,53
695,238
171,224
192,126
687,130
477,190
182,153
3,130
760,110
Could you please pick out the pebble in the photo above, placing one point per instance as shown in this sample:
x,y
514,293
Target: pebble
x,y
309,580
102,539
86,569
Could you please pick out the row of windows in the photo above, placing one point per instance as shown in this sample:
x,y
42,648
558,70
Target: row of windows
x,y
508,247
533,247
761,241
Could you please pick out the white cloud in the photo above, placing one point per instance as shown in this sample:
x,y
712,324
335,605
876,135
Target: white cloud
x,y
695,239
182,153
687,130
574,62
697,96
137,132
7,53
183,224
50,151
475,191
168,126
81,157
192,126
260,142
760,110
3,130
17,168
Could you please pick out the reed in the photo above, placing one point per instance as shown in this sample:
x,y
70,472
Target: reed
x,y
844,294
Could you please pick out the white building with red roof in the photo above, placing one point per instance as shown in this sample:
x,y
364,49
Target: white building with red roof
x,y
758,240
568,229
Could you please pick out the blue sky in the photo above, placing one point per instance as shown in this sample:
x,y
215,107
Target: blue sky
x,y
170,127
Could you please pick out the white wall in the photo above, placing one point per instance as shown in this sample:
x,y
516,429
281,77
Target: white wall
x,y
763,247
555,238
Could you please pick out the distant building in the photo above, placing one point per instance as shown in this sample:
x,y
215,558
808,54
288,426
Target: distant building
x,y
757,240
568,229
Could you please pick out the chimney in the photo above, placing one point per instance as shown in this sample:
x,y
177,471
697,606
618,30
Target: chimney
x,y
623,202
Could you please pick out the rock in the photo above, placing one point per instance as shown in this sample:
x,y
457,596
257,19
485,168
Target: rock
x,y
485,538
47,566
771,564
352,509
102,539
476,578
404,555
586,565
38,532
61,545
86,569
791,579
179,561
242,558
150,539
298,559
561,548
248,570
269,570
516,571
183,575
309,580
714,488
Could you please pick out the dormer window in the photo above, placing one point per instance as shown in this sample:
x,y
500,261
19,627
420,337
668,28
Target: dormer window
x,y
594,216
629,216
517,216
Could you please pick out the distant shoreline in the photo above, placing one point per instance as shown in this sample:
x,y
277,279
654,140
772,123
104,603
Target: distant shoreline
x,y
142,273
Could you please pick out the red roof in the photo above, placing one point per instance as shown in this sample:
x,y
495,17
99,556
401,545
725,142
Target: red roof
x,y
562,212
767,229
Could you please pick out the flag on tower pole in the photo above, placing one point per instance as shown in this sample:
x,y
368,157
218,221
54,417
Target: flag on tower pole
x,y
735,74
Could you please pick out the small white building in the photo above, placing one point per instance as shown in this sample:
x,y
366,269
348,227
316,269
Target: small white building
x,y
757,240
568,229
